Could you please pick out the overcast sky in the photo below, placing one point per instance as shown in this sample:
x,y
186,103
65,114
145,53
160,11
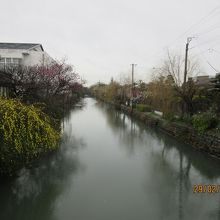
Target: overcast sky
x,y
102,38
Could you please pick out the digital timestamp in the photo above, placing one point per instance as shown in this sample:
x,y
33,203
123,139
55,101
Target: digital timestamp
x,y
200,188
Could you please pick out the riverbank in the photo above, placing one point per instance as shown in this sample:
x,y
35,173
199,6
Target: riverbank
x,y
207,142
118,170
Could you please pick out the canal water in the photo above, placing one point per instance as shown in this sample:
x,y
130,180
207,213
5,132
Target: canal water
x,y
111,167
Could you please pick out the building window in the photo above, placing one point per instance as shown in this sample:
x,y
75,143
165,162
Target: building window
x,y
8,60
4,62
16,61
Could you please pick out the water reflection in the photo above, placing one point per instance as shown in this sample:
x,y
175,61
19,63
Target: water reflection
x,y
116,168
131,133
176,164
34,193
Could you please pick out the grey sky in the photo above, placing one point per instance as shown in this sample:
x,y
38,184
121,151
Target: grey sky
x,y
102,38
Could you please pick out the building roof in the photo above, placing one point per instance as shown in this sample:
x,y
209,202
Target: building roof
x,y
19,46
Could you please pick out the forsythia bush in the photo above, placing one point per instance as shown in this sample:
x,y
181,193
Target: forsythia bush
x,y
25,133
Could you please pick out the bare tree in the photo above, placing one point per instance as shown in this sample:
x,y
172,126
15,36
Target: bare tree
x,y
173,66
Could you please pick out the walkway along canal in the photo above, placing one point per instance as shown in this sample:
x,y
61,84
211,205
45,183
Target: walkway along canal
x,y
111,167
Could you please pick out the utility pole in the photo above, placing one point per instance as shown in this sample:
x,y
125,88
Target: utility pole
x,y
186,59
132,84
185,71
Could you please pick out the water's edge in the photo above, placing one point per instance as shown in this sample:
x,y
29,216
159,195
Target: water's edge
x,y
207,143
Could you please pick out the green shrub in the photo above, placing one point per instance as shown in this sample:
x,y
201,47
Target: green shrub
x,y
186,119
143,108
25,133
204,121
169,116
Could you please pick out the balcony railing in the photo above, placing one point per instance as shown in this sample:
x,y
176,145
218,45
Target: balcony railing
x,y
4,67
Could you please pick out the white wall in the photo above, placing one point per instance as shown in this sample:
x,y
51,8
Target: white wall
x,y
28,57
36,58
11,53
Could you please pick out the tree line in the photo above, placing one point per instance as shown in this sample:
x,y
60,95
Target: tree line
x,y
166,92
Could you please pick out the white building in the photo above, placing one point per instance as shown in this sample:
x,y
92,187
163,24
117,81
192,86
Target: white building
x,y
27,54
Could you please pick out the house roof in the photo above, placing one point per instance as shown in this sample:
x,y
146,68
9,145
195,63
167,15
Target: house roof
x,y
19,46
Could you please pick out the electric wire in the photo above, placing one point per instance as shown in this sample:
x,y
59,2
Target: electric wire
x,y
216,39
212,13
199,22
206,60
210,29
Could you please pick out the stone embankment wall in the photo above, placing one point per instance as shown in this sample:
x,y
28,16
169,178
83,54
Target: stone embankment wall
x,y
205,142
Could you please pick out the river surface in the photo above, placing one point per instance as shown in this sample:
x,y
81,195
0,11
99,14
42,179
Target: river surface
x,y
111,167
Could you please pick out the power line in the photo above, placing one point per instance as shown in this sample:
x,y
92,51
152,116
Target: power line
x,y
210,49
202,55
210,29
212,66
199,22
210,14
198,54
208,41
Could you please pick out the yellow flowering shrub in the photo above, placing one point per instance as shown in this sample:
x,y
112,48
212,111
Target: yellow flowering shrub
x,y
25,133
